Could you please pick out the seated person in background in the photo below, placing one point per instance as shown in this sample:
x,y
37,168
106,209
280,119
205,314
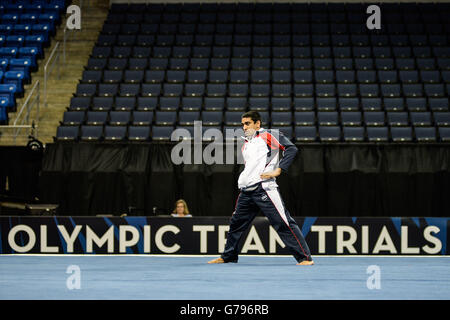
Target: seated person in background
x,y
181,209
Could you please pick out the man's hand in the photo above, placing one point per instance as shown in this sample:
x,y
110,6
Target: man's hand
x,y
273,174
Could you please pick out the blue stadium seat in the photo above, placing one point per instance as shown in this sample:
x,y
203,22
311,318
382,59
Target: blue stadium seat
x,y
187,118
96,118
304,118
425,134
102,103
65,133
416,104
212,118
16,78
345,76
353,134
3,110
169,103
371,104
10,18
305,133
348,104
402,134
235,103
330,133
194,103
444,134
146,103
22,29
91,133
161,133
97,63
209,103
129,89
36,41
8,52
119,118
91,76
112,76
259,103
50,19
397,118
232,118
442,119
79,103
165,118
438,104
73,118
142,118
351,118
281,103
125,103
394,104
374,118
422,119
287,131
197,76
281,118
115,133
377,134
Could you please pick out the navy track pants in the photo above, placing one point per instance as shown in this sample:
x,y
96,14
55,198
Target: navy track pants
x,y
269,201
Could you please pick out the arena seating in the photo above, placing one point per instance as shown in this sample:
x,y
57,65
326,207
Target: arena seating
x,y
26,28
314,71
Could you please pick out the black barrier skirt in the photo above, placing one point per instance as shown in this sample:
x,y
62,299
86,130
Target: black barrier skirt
x,y
323,180
19,173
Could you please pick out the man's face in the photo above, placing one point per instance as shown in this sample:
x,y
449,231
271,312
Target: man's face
x,y
250,127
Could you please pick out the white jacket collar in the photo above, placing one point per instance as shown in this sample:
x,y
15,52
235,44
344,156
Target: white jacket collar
x,y
254,135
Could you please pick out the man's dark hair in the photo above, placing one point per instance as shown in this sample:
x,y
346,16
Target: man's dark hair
x,y
254,115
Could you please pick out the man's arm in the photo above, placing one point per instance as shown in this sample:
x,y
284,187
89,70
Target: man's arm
x,y
289,151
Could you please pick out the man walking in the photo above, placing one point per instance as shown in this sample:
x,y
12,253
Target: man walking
x,y
259,190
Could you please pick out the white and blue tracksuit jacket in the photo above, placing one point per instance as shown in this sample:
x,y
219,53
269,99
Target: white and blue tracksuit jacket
x,y
261,154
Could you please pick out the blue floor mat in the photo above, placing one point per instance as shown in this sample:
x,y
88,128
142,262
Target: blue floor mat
x,y
253,278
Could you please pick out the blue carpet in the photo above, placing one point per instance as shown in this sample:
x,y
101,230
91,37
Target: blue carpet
x,y
253,278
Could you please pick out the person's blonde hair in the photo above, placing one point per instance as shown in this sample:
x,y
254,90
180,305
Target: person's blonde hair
x,y
186,209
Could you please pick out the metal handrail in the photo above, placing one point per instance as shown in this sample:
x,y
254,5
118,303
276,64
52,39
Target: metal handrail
x,y
65,38
64,43
55,52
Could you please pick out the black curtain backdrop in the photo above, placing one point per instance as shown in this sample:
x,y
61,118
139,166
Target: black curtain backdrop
x,y
324,180
19,173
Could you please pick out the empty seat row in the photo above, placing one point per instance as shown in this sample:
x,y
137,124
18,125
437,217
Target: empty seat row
x,y
140,48
277,118
25,29
9,43
309,8
438,90
372,134
225,35
283,40
300,134
122,61
227,13
148,26
257,103
135,75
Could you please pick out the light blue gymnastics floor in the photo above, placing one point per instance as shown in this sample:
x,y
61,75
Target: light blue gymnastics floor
x,y
253,278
